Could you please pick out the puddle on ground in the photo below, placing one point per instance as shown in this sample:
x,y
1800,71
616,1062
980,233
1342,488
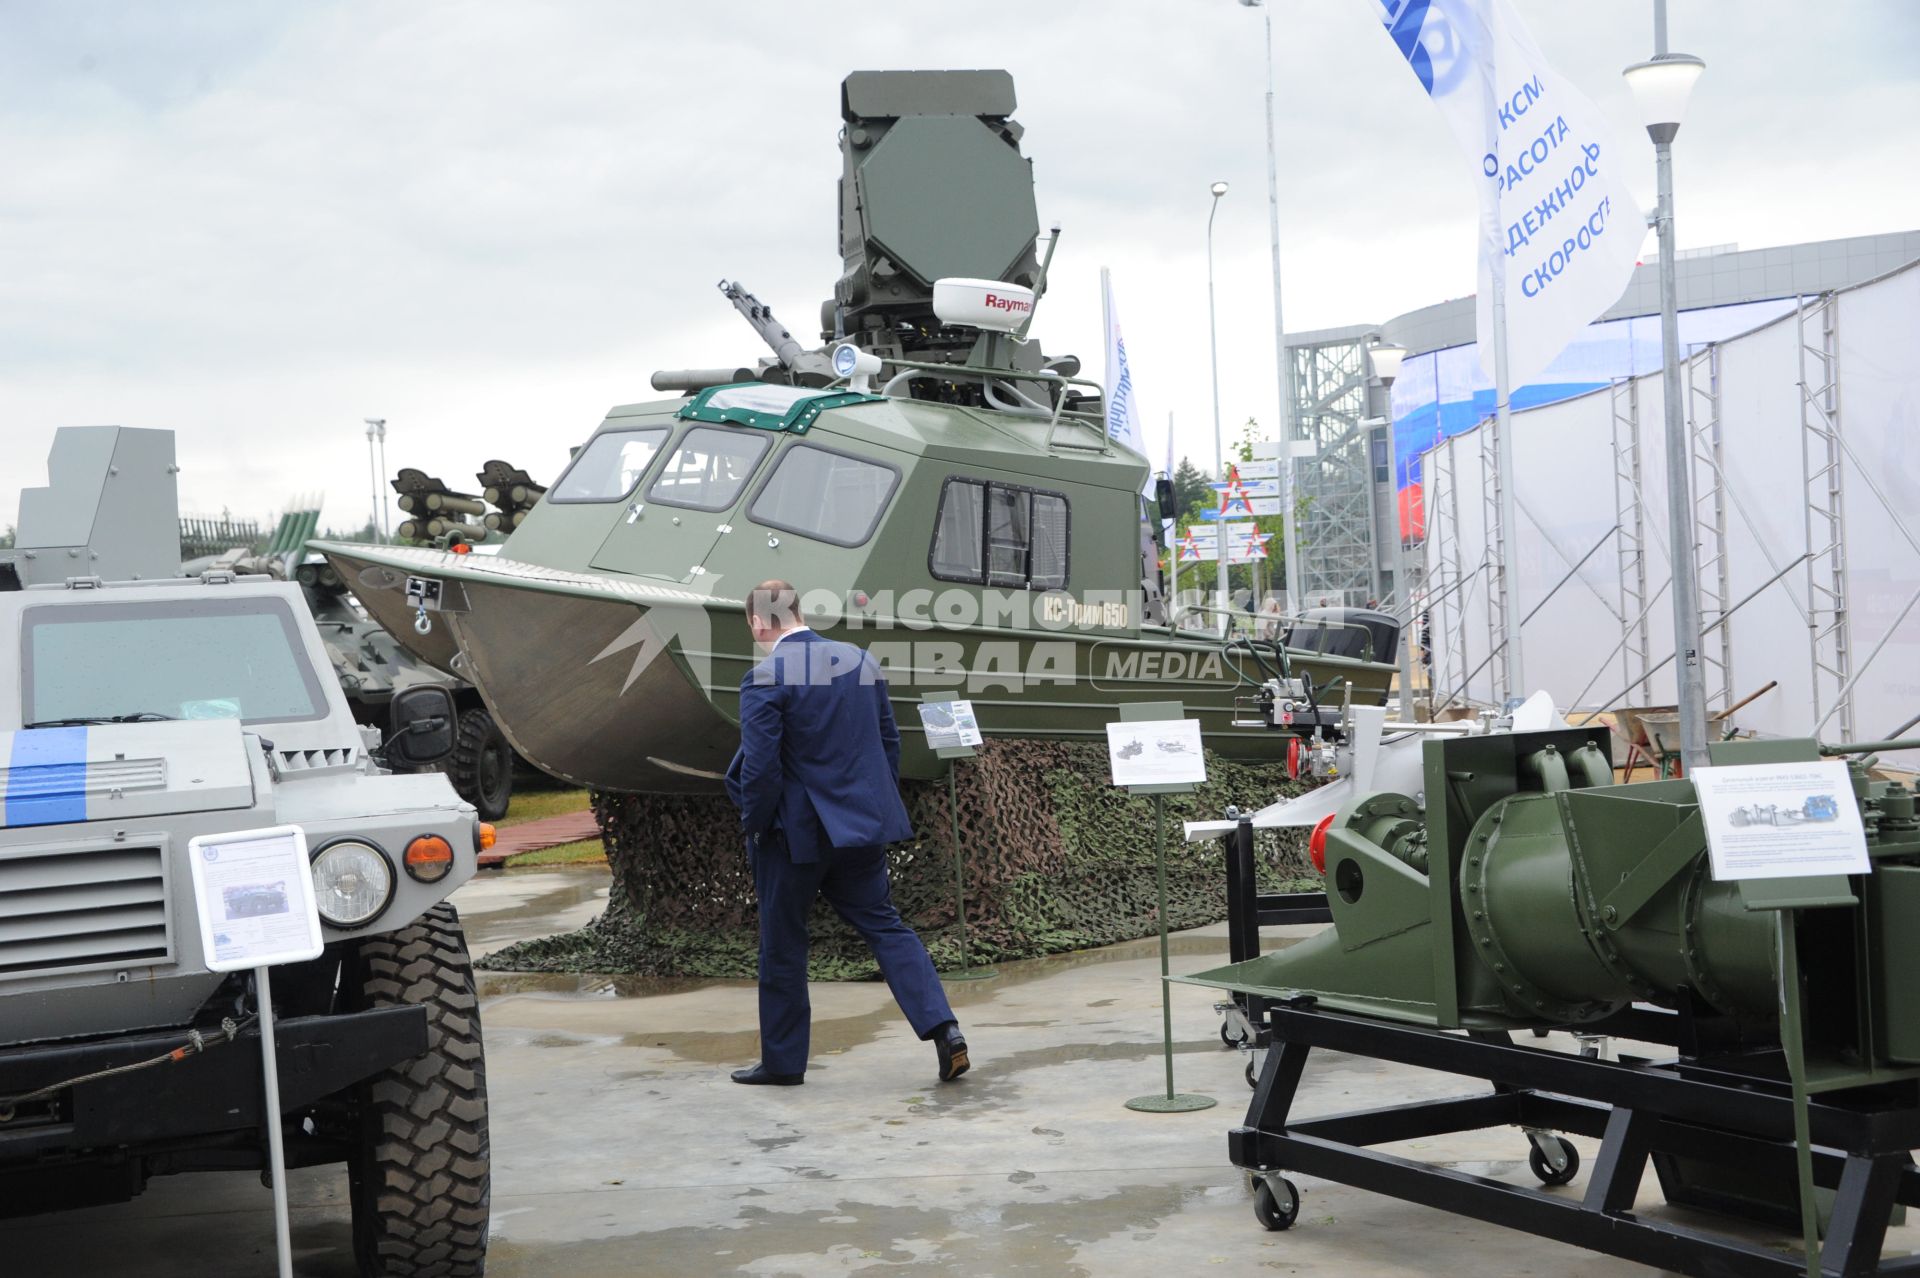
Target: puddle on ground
x,y
987,1237
831,1036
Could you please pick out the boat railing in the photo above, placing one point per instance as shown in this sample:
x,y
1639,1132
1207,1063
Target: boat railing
x,y
1001,389
1253,624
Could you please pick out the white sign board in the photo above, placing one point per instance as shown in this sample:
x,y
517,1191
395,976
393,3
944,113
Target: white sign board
x,y
1267,469
1156,752
1781,820
1265,450
255,896
949,724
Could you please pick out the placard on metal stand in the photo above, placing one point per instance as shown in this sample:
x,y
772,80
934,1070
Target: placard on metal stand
x,y
1171,1102
253,892
953,754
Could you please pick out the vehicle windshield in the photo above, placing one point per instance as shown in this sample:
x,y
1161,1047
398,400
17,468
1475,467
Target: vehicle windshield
x,y
236,658
608,468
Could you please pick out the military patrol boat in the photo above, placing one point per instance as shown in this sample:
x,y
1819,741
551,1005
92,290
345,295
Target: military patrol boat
x,y
943,492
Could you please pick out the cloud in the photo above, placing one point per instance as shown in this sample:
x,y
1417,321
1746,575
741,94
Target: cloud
x,y
488,222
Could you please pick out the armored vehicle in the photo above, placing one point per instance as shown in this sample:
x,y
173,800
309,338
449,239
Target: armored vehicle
x,y
111,510
144,714
372,666
946,494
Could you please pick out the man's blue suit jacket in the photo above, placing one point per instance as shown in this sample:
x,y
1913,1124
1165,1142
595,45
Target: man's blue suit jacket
x,y
819,758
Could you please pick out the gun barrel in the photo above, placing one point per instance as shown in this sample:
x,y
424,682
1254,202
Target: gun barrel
x,y
697,379
786,348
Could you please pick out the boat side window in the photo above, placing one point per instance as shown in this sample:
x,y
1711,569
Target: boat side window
x,y
956,531
826,495
1000,535
709,468
610,466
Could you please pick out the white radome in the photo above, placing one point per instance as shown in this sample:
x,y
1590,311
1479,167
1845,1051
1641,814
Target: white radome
x,y
994,305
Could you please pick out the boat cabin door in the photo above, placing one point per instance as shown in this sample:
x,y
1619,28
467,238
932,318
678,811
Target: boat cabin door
x,y
685,505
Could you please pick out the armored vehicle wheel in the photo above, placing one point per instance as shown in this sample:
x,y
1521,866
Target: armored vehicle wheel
x,y
1276,1208
1544,1170
482,765
419,1178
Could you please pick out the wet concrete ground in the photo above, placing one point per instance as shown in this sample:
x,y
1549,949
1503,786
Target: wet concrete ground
x,y
620,1147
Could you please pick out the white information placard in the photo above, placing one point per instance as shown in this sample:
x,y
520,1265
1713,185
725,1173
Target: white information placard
x,y
255,896
1781,820
1156,752
949,724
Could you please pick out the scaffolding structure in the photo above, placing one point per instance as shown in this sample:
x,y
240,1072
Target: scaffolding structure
x,y
1829,628
1709,550
1499,573
1812,583
1449,583
1630,537
1333,480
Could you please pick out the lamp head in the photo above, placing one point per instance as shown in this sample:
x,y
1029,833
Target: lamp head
x,y
1219,189
1386,359
1661,87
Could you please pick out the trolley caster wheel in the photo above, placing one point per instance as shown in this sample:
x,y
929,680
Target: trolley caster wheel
x,y
1228,1037
1544,1170
1253,1071
1276,1208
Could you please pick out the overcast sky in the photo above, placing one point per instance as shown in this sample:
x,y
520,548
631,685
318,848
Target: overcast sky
x,y
257,224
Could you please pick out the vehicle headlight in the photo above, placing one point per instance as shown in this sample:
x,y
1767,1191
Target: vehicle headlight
x,y
352,882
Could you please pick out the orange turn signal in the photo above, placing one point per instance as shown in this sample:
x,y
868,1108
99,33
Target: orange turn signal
x,y
487,836
461,548
428,858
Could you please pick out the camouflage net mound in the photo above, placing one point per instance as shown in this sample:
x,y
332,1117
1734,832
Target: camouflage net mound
x,y
1056,859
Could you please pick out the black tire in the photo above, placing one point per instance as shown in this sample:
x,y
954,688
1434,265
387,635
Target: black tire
x,y
482,765
1228,1037
1253,1071
1276,1211
420,1178
1544,1171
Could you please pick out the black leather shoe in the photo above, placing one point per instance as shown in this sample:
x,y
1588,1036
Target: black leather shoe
x,y
761,1076
947,1041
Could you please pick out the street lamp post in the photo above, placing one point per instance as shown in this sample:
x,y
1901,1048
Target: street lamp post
x,y
377,463
1660,87
1289,535
1219,450
1386,366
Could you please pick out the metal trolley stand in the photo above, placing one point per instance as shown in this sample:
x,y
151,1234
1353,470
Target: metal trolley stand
x,y
1734,1113
1243,1017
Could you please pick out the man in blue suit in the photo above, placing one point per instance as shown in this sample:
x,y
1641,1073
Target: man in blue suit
x,y
817,782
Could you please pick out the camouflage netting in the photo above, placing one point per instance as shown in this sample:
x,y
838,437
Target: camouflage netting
x,y
1056,859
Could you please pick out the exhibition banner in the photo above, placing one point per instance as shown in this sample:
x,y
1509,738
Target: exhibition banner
x,y
1123,415
1560,232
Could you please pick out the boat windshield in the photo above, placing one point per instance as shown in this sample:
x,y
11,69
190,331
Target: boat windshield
x,y
610,466
710,468
236,658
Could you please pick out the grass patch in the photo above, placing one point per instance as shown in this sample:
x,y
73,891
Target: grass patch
x,y
531,805
585,852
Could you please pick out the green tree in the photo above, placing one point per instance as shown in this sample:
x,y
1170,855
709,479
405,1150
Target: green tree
x,y
1190,490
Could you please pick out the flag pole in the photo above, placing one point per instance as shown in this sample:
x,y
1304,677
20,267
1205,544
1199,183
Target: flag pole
x,y
1173,535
